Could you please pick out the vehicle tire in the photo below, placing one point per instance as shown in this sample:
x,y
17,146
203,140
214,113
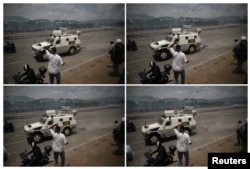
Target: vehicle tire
x,y
72,50
37,137
153,138
164,54
67,131
191,49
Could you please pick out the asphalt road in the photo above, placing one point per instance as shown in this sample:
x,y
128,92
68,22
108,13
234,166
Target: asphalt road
x,y
94,44
92,124
212,125
218,40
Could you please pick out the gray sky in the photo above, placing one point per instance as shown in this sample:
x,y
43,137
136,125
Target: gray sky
x,y
57,92
181,92
188,10
79,12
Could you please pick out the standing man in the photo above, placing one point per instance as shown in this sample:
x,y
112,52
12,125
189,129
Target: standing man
x,y
54,62
59,140
117,57
179,58
241,55
183,140
239,132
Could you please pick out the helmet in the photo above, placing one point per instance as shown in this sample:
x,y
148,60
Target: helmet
x,y
243,38
118,41
152,64
26,67
172,148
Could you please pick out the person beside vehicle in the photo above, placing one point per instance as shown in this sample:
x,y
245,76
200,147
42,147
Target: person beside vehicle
x,y
55,61
30,77
36,154
179,58
59,140
155,71
183,140
161,154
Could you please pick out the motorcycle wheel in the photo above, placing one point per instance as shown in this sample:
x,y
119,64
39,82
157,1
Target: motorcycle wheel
x,y
171,159
45,161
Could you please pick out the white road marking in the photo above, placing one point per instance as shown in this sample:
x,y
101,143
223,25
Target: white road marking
x,y
72,148
135,61
12,63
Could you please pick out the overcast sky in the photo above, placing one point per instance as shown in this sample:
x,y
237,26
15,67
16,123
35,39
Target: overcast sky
x,y
71,92
188,10
181,92
79,12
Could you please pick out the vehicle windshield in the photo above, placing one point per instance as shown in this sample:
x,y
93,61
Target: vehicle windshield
x,y
42,120
169,38
160,120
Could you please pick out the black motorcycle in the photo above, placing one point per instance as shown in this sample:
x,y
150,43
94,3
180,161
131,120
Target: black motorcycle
x,y
9,127
26,159
130,126
9,47
164,79
131,45
39,77
169,159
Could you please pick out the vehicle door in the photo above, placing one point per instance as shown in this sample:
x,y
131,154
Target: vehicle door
x,y
59,44
167,128
48,124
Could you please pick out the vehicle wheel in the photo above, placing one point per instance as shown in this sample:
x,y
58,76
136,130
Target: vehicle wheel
x,y
191,49
164,54
37,137
153,138
72,50
67,131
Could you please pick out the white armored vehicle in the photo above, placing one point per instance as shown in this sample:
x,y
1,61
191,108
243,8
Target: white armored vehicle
x,y
164,127
189,42
39,130
63,42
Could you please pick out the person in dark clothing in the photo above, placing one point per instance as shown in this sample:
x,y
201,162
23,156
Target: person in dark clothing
x,y
155,71
244,137
117,57
161,154
30,75
36,155
241,55
121,137
238,132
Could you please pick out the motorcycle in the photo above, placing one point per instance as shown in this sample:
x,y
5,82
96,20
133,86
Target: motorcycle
x,y
9,47
9,127
26,160
39,77
169,159
131,126
164,79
